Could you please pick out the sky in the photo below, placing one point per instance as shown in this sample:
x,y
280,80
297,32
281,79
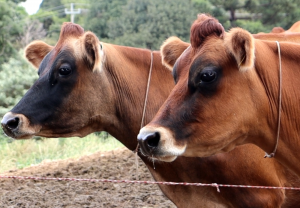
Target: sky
x,y
31,6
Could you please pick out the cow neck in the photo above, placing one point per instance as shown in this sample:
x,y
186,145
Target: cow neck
x,y
128,69
288,149
279,105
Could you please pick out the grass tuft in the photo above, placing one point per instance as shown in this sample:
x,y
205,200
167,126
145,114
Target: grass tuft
x,y
17,154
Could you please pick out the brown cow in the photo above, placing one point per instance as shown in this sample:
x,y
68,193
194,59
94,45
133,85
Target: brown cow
x,y
294,28
226,95
286,36
86,86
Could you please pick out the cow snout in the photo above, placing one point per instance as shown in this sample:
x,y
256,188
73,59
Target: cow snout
x,y
149,141
10,123
17,126
158,143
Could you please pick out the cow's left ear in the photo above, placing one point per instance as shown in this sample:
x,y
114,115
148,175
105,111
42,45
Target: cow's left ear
x,y
241,44
93,50
36,51
171,49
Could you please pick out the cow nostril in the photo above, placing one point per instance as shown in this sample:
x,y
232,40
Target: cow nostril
x,y
13,123
152,140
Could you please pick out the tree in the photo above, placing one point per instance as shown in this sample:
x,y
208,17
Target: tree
x,y
100,12
232,6
32,30
274,13
204,6
16,77
141,23
11,16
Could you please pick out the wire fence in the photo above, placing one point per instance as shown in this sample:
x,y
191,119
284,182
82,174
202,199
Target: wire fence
x,y
217,186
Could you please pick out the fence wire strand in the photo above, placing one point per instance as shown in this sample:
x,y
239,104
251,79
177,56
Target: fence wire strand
x,y
217,186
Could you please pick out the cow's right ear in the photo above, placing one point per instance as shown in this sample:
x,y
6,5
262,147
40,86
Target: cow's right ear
x,y
170,51
36,51
241,44
93,50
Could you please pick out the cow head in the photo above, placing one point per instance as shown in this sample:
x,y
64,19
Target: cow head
x,y
67,83
212,105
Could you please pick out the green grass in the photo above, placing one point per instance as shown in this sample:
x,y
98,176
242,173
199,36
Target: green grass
x,y
17,154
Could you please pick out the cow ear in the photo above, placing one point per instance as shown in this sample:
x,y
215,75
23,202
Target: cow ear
x,y
36,51
93,50
171,49
241,44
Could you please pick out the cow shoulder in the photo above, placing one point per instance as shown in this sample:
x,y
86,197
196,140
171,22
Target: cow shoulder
x,y
171,49
241,44
36,51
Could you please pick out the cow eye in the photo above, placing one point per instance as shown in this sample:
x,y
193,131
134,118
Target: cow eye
x,y
64,71
208,76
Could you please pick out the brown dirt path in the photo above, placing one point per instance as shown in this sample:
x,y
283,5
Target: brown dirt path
x,y
117,164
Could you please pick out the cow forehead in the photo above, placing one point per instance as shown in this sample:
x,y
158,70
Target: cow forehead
x,y
212,51
213,48
61,52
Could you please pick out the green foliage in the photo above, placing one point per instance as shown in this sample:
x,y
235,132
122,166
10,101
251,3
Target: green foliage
x,y
11,16
253,26
277,12
204,6
16,77
151,22
45,5
270,13
52,15
16,1
141,23
100,12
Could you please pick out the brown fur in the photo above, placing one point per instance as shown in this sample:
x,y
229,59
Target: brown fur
x,y
36,51
203,27
291,196
69,29
238,108
281,37
277,30
92,48
171,49
241,44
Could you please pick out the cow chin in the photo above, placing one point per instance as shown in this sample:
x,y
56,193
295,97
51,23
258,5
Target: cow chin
x,y
159,156
18,135
167,158
81,131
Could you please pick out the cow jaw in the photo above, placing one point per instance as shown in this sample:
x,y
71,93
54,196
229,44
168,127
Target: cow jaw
x,y
19,126
157,143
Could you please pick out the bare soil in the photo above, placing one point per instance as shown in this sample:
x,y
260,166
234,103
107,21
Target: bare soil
x,y
118,164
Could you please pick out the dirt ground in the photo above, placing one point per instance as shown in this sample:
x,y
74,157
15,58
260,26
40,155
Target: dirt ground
x,y
117,164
